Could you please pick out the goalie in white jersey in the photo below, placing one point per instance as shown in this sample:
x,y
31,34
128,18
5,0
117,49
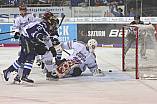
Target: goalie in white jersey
x,y
82,57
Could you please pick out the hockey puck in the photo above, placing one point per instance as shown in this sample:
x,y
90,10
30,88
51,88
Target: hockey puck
x,y
110,70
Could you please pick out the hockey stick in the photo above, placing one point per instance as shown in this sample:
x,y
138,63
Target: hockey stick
x,y
61,21
7,32
6,38
66,52
45,57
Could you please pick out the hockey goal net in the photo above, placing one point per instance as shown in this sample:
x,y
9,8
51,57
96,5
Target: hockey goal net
x,y
139,51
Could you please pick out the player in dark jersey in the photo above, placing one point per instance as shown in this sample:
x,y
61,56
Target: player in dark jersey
x,y
131,36
32,43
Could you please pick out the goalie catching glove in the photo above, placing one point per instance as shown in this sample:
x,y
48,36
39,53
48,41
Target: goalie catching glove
x,y
98,73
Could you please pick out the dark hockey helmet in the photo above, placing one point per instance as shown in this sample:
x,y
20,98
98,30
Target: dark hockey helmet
x,y
47,15
137,17
22,7
53,20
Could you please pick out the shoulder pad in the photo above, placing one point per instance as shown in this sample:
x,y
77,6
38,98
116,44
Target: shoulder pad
x,y
17,16
132,23
81,42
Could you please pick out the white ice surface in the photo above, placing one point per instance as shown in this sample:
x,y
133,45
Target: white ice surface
x,y
116,87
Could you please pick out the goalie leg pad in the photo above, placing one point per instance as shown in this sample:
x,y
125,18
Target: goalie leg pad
x,y
65,67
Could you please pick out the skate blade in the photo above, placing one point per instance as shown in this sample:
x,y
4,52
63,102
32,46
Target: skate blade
x,y
2,76
27,83
52,79
16,82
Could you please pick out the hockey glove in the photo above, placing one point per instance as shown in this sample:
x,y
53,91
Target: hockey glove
x,y
42,37
17,35
55,41
98,72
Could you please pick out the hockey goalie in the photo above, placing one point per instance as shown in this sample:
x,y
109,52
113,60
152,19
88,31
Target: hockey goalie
x,y
82,57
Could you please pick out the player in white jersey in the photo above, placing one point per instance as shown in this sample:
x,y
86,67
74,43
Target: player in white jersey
x,y
82,57
22,20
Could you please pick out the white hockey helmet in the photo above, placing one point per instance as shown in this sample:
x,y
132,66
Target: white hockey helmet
x,y
92,44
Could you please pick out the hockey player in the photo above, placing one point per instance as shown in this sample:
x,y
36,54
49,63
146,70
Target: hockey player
x,y
82,57
20,21
54,32
32,43
131,37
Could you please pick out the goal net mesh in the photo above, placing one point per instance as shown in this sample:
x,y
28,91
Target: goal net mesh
x,y
140,50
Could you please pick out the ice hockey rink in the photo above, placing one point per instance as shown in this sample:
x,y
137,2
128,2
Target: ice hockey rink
x,y
115,87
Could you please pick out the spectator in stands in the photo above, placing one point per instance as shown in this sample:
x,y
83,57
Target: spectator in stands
x,y
23,2
32,2
132,14
115,2
1,3
49,1
101,3
42,1
118,13
12,3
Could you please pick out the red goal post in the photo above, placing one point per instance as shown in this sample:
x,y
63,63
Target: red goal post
x,y
123,57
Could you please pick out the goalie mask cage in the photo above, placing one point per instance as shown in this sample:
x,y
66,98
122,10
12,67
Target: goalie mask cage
x,y
141,57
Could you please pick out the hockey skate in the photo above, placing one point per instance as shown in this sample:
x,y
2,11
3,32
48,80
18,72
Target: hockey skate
x,y
24,79
53,77
6,74
17,80
144,57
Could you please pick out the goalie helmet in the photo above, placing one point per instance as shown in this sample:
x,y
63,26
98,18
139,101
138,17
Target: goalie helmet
x,y
92,44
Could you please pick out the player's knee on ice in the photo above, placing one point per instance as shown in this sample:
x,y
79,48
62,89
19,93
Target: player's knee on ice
x,y
76,72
